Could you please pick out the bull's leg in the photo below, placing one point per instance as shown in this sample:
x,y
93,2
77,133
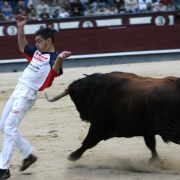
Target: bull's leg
x,y
94,136
151,144
77,154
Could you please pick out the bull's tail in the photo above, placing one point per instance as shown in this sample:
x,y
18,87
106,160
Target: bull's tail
x,y
59,96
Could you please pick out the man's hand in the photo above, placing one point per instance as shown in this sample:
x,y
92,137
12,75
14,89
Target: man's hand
x,y
64,54
58,63
21,20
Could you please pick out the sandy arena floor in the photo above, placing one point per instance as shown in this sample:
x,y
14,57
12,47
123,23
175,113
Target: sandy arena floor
x,y
55,130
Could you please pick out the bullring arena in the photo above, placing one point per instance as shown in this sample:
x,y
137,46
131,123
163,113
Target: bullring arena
x,y
55,130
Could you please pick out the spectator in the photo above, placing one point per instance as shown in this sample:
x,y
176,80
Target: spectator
x,y
165,2
33,15
29,3
177,4
177,16
31,6
76,12
170,7
155,2
56,14
67,6
44,14
63,13
102,10
53,9
71,1
3,17
19,8
51,27
14,3
143,5
6,9
102,2
24,13
85,4
25,3
118,3
76,8
42,6
160,7
57,2
94,3
110,2
149,7
91,11
41,27
121,8
113,10
131,6
35,3
13,17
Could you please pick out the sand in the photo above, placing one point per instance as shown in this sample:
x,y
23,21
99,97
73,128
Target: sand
x,y
55,130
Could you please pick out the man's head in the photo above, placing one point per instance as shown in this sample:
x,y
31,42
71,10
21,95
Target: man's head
x,y
20,3
45,39
43,2
44,10
50,26
101,8
56,11
33,11
6,3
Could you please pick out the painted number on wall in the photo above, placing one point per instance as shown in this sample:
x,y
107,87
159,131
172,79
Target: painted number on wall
x,y
87,24
12,30
160,21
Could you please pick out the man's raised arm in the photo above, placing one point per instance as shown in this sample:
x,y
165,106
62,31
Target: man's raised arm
x,y
22,41
58,63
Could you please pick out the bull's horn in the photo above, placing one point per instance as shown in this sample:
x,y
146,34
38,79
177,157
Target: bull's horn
x,y
86,75
59,96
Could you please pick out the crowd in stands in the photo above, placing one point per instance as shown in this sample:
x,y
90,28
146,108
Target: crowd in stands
x,y
45,9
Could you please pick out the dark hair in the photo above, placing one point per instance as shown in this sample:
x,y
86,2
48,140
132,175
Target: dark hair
x,y
46,33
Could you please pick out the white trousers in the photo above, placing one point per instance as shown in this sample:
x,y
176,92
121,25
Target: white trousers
x,y
21,101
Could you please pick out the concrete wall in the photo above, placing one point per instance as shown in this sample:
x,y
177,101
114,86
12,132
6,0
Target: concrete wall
x,y
99,59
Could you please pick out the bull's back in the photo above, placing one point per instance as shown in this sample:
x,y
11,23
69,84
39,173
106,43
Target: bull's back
x,y
124,100
135,103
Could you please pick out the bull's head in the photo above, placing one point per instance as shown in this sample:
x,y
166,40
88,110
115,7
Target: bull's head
x,y
67,91
59,96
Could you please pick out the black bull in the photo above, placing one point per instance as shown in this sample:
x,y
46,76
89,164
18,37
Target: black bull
x,y
121,104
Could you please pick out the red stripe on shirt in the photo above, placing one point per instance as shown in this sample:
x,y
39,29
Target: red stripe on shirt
x,y
48,82
27,57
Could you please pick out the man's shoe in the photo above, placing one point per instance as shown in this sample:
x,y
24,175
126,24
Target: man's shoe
x,y
4,174
27,162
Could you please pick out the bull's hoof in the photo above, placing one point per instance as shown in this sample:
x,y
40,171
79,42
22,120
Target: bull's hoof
x,y
72,158
154,159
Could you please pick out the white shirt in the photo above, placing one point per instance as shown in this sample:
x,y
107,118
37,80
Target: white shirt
x,y
39,73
